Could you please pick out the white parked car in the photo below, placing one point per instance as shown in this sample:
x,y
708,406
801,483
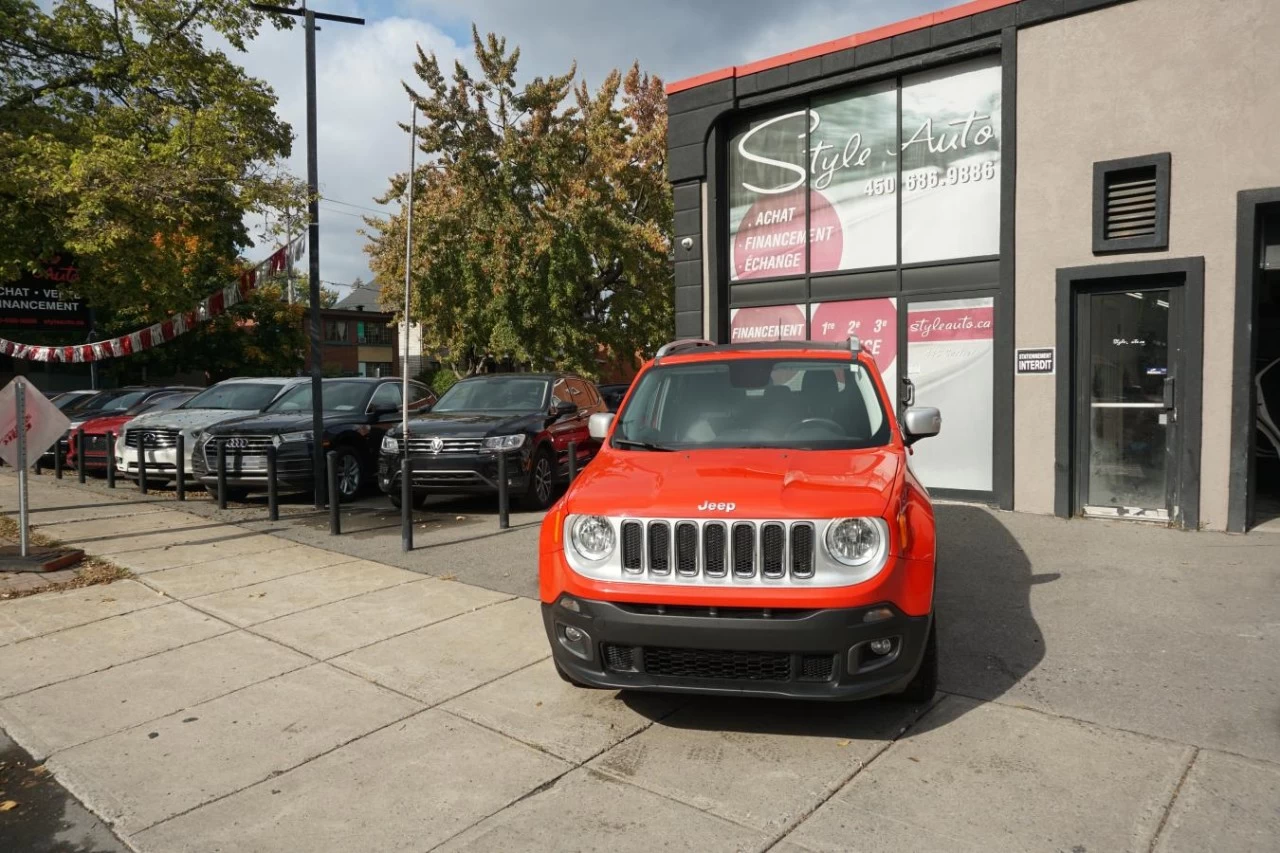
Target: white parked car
x,y
158,432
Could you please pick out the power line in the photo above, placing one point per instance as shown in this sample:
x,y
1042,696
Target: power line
x,y
357,206
349,213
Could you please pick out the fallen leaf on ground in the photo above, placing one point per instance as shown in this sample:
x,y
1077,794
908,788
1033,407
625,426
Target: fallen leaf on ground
x,y
842,743
40,771
8,805
913,758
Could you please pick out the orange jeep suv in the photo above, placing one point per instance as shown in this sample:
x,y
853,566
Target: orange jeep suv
x,y
750,526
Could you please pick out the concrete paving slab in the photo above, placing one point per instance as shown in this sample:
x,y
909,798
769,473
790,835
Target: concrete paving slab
x,y
535,706
23,618
91,507
249,605
92,706
1226,803
108,642
142,776
587,811
759,764
407,787
201,547
440,661
243,570
104,532
334,629
1007,779
875,833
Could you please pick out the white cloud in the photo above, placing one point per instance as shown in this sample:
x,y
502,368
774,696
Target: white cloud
x,y
360,69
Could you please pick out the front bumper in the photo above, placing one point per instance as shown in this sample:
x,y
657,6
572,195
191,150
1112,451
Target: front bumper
x,y
803,654
162,462
294,468
454,472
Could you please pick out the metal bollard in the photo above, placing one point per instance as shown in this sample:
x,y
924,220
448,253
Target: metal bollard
x,y
58,458
273,499
142,465
180,481
111,460
222,474
80,455
504,515
573,461
406,504
335,503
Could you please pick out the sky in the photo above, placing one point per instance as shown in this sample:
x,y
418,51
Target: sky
x,y
359,72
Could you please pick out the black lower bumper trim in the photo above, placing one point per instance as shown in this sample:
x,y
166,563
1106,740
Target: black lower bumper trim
x,y
813,654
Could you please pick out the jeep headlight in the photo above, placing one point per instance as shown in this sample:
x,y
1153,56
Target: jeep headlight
x,y
856,541
504,442
592,537
390,444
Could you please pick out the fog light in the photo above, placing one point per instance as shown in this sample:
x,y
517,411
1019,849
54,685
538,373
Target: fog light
x,y
882,646
573,635
575,640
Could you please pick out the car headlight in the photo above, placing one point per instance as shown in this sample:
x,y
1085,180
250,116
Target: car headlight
x,y
856,541
504,442
592,537
390,444
288,437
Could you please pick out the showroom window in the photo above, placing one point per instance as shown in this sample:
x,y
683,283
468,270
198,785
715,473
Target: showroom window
x,y
875,211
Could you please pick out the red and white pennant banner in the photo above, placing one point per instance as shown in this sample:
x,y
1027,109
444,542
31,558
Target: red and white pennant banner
x,y
158,333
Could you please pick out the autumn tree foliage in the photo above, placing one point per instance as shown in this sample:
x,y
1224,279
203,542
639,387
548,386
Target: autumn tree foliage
x,y
130,143
542,217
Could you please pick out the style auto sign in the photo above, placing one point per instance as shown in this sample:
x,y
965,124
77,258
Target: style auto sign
x,y
37,301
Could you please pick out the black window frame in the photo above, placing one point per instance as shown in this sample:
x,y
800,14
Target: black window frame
x,y
1156,242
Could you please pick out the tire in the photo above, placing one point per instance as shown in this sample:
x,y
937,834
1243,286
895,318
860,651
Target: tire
x,y
925,682
419,498
541,491
351,476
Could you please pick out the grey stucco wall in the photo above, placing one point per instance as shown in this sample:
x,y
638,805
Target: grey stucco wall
x,y
1197,78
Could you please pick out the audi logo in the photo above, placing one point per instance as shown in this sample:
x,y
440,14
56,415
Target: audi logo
x,y
237,443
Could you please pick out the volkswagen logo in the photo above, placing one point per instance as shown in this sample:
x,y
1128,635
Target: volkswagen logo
x,y
237,443
437,444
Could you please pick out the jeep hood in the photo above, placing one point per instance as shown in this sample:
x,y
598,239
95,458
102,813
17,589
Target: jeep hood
x,y
760,483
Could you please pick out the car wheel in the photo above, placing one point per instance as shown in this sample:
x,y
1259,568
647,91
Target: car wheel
x,y
542,482
419,498
925,683
350,474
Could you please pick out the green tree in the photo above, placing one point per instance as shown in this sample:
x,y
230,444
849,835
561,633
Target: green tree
x,y
131,144
542,218
302,292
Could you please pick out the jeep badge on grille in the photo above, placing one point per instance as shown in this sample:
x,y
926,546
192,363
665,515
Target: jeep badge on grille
x,y
710,506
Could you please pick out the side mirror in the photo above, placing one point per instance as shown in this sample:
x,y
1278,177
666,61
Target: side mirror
x,y
560,408
920,422
598,425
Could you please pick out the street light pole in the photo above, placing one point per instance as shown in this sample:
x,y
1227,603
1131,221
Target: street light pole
x,y
313,232
406,467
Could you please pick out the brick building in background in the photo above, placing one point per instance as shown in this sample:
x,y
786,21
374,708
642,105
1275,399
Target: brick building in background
x,y
357,337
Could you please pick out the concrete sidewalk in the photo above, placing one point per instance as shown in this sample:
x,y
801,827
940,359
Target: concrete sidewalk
x,y
251,692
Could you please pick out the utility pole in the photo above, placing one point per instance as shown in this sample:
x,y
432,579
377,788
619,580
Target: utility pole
x,y
313,232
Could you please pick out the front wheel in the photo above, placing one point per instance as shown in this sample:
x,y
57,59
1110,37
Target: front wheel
x,y
541,489
350,474
925,683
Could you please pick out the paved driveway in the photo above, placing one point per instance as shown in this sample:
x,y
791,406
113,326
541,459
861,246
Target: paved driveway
x,y
1106,687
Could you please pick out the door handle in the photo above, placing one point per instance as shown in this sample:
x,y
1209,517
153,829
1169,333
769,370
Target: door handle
x,y
1168,393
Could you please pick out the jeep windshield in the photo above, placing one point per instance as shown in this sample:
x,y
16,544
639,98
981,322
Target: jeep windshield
x,y
500,394
754,403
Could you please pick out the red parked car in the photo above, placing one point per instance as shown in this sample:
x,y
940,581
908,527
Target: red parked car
x,y
95,431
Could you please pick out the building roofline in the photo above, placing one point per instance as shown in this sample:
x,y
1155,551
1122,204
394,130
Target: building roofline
x,y
919,22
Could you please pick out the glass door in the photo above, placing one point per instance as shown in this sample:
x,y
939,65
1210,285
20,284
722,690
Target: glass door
x,y
1126,402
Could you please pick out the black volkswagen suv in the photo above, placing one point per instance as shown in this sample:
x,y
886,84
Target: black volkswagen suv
x,y
530,417
357,413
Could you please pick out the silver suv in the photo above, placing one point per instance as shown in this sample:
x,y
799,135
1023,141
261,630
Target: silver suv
x,y
157,432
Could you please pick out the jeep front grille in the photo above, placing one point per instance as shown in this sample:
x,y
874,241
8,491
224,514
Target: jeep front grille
x,y
771,550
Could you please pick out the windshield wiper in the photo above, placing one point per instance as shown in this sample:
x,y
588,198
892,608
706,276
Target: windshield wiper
x,y
640,445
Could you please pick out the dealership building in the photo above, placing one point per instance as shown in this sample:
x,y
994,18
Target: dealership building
x,y
1060,219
